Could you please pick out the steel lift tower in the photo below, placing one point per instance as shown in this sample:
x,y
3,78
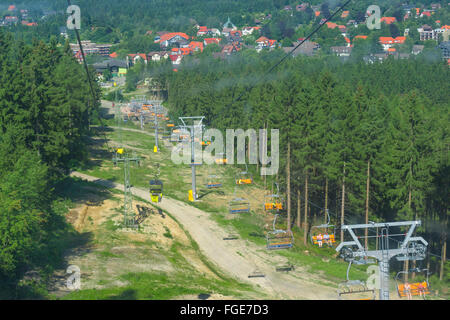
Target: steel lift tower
x,y
411,248
119,157
193,124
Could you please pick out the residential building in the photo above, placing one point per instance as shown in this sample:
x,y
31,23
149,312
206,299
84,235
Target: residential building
x,y
426,33
265,43
158,55
342,51
196,46
173,38
116,67
91,48
132,59
388,42
308,48
208,41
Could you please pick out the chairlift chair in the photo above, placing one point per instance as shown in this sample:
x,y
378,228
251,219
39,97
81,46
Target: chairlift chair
x,y
244,177
213,182
279,239
156,190
221,159
318,232
415,289
273,201
238,205
351,288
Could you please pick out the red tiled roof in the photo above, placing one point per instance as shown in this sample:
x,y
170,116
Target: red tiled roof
x,y
113,55
390,40
426,13
212,40
360,37
170,35
196,44
262,39
388,20
11,8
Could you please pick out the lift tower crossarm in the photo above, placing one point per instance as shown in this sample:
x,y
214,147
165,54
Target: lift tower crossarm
x,y
404,252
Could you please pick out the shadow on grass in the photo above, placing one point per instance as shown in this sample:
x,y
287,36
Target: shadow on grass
x,y
128,294
204,193
204,296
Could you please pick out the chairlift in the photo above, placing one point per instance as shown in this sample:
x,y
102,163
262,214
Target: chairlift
x,y
213,182
221,159
279,239
352,288
156,190
238,205
273,201
244,177
408,290
320,234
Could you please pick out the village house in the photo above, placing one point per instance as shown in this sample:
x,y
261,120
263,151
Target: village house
x,y
265,43
249,30
132,59
176,59
342,51
117,68
172,38
158,55
229,49
208,41
196,46
427,33
388,42
91,48
308,48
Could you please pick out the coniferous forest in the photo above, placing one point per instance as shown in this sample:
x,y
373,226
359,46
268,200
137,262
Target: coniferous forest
x,y
380,131
45,112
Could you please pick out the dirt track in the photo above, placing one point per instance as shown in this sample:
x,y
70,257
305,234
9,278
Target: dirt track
x,y
237,258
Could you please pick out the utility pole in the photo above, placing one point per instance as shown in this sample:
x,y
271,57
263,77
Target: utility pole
x,y
196,123
412,248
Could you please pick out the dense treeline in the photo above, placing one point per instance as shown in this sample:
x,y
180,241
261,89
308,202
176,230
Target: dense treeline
x,y
45,107
369,142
